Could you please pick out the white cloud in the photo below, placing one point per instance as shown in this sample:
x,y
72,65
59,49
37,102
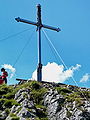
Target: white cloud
x,y
53,72
85,78
11,68
76,67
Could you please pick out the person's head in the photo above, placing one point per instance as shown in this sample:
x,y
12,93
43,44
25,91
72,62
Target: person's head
x,y
2,69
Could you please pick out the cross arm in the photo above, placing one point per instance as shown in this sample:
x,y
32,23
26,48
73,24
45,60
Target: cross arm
x,y
25,21
36,23
51,28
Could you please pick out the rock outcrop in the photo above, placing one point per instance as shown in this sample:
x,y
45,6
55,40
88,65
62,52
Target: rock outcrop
x,y
44,101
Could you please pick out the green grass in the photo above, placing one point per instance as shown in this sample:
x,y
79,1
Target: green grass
x,y
63,91
41,107
41,118
7,94
7,110
4,89
84,94
9,103
38,95
14,116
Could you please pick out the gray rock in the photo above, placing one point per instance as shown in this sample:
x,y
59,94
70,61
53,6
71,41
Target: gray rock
x,y
24,113
26,103
57,107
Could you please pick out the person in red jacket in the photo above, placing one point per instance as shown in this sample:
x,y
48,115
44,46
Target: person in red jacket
x,y
4,75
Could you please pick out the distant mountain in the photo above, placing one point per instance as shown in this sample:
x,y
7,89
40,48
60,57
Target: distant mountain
x,y
44,101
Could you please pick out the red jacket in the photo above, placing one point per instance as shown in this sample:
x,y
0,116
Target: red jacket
x,y
4,75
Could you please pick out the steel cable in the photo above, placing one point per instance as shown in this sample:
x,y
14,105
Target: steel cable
x,y
18,57
61,60
13,35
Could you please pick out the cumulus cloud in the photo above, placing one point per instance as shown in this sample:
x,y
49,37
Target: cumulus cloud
x,y
11,68
85,78
53,72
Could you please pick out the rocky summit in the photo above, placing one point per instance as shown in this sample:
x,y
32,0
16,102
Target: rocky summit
x,y
32,100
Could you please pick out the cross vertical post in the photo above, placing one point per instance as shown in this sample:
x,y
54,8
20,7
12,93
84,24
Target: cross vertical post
x,y
39,68
39,26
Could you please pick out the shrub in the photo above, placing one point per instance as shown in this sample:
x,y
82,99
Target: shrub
x,y
63,91
44,118
9,95
72,97
41,107
9,103
1,103
41,113
29,119
7,110
35,85
85,94
15,118
4,89
38,94
79,103
12,115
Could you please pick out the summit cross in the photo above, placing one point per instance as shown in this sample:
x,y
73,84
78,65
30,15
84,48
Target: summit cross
x,y
39,26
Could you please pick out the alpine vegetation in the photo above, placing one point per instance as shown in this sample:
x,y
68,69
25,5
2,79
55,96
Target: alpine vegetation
x,y
32,100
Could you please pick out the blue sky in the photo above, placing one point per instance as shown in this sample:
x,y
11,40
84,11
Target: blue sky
x,y
72,43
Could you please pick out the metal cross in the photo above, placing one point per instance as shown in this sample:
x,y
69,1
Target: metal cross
x,y
39,26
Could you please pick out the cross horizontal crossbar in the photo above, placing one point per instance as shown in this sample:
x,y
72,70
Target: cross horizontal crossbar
x,y
36,23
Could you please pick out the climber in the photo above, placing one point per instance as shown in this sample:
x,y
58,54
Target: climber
x,y
4,75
